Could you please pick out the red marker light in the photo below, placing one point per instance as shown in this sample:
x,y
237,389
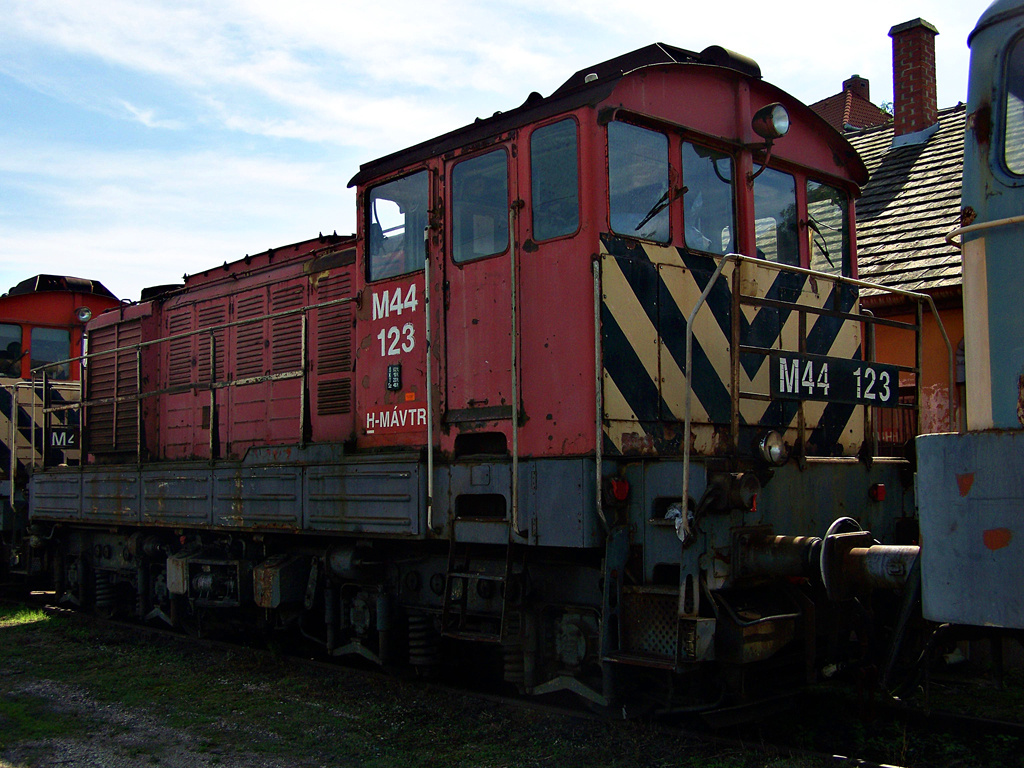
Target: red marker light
x,y
619,488
877,492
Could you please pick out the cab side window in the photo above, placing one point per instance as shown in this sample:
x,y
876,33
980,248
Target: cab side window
x,y
638,182
1013,134
480,207
554,176
775,217
10,350
708,210
828,228
397,216
49,345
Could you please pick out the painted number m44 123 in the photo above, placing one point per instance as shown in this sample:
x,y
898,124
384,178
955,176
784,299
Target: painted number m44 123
x,y
834,379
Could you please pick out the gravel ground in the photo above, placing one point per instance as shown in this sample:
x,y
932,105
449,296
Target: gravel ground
x,y
118,737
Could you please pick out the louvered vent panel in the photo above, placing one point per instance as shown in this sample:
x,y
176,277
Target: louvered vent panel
x,y
251,345
179,367
126,429
334,397
287,331
210,315
101,384
113,426
334,326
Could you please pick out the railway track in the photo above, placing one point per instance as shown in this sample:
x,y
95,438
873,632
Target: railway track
x,y
822,726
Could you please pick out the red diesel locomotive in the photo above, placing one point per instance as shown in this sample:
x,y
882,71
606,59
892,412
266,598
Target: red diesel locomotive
x,y
586,392
42,320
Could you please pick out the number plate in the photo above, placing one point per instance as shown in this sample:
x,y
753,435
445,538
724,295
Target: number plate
x,y
834,379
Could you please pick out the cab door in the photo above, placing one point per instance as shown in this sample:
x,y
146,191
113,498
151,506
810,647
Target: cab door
x,y
479,290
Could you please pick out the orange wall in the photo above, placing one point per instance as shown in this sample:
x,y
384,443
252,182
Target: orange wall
x,y
897,346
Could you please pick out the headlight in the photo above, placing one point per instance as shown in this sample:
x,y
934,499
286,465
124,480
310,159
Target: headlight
x,y
771,122
774,449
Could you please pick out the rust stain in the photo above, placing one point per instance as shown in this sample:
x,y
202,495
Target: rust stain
x,y
964,482
997,538
1020,399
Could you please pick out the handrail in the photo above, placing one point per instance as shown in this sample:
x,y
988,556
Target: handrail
x,y
981,226
598,399
737,258
684,503
195,332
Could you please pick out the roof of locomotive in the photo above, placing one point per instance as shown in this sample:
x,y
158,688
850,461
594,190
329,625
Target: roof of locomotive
x,y
63,283
320,246
582,89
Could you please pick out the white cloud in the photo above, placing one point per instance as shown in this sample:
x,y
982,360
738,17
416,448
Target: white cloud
x,y
184,133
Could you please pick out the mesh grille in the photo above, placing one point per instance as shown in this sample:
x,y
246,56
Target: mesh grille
x,y
650,623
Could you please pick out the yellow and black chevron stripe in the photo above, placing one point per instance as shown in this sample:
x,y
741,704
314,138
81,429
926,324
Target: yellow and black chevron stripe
x,y
21,426
647,293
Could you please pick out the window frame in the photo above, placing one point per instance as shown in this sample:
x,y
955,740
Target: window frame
x,y
666,132
450,207
846,269
1016,45
799,207
368,198
50,371
697,140
10,363
579,187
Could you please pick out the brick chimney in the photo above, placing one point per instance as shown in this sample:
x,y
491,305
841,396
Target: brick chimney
x,y
858,85
913,77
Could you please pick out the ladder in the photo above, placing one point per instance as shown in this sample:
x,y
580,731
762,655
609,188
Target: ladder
x,y
471,586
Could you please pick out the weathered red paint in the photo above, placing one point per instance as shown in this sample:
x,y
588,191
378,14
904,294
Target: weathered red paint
x,y
964,482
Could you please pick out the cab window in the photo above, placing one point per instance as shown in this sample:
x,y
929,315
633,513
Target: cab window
x,y
480,207
775,217
1013,135
709,217
638,182
10,349
397,216
49,345
554,175
828,228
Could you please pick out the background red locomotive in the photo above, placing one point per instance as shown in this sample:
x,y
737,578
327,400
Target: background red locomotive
x,y
472,423
41,330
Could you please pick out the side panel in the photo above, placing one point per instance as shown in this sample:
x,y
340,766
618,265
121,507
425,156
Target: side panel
x,y
258,497
176,495
111,496
365,497
971,492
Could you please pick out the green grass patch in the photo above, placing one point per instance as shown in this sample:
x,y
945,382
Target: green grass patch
x,y
15,616
31,718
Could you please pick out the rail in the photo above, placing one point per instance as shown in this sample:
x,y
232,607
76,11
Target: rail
x,y
995,223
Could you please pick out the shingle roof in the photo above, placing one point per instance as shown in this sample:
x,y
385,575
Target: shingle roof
x,y
909,204
847,109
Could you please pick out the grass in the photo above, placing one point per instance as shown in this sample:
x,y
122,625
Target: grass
x,y
243,702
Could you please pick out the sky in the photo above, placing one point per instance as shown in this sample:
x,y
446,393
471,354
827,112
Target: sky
x,y
140,141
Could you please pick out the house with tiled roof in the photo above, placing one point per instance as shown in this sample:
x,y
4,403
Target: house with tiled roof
x,y
910,203
851,108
